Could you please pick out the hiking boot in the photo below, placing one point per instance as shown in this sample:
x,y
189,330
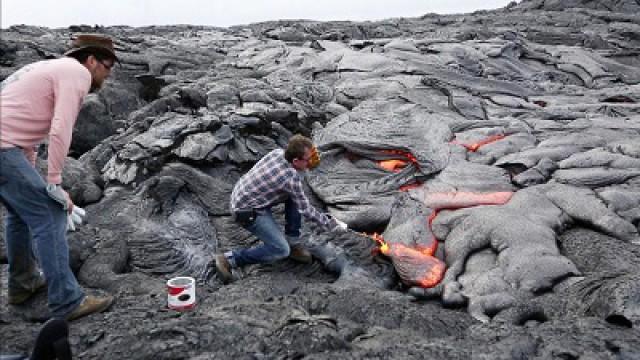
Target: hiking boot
x,y
300,254
17,297
89,305
223,269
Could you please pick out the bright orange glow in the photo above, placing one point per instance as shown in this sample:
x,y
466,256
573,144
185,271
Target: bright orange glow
x,y
432,278
394,165
383,246
403,154
473,147
400,249
428,250
416,267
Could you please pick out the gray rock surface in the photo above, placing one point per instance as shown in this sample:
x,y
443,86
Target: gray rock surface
x,y
539,100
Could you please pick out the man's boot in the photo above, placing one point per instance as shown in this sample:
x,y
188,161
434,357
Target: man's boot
x,y
300,254
223,268
20,296
89,305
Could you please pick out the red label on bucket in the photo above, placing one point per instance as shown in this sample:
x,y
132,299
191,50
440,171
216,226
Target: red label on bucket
x,y
175,290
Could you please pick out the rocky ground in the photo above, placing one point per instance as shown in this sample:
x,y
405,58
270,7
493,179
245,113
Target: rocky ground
x,y
514,131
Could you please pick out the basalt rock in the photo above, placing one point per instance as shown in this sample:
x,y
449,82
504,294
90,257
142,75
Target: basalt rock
x,y
505,140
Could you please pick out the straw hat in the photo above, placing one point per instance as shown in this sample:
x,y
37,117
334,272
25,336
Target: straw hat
x,y
98,42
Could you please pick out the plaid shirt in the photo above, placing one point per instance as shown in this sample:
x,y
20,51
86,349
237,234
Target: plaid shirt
x,y
271,181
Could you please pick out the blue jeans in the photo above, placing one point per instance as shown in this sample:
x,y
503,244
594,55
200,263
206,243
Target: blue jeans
x,y
275,244
36,224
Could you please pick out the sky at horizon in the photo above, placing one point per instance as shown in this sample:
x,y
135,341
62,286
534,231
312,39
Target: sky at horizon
x,y
63,13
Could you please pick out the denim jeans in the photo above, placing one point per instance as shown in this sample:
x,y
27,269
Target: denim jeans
x,y
36,224
275,245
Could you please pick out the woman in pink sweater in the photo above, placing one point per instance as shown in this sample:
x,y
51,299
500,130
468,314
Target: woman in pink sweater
x,y
38,102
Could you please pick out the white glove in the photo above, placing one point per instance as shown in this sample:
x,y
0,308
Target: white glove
x,y
75,218
58,194
342,226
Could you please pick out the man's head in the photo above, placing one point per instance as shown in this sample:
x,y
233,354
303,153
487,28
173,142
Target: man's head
x,y
96,53
299,152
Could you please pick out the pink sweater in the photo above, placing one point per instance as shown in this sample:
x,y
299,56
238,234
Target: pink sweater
x,y
42,99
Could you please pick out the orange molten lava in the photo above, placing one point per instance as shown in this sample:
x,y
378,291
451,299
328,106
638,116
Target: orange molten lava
x,y
394,165
383,247
416,267
404,155
473,147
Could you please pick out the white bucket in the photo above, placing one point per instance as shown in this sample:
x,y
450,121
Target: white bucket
x,y
181,293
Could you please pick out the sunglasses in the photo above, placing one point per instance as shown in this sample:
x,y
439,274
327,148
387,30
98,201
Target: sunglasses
x,y
107,65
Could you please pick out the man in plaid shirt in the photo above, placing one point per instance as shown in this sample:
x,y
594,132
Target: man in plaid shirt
x,y
273,180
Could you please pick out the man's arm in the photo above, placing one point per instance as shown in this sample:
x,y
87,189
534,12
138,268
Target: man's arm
x,y
70,88
296,191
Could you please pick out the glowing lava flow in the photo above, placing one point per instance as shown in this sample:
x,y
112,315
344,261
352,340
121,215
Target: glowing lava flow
x,y
473,147
396,165
416,267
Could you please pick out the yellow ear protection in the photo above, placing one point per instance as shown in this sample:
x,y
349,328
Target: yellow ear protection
x,y
314,160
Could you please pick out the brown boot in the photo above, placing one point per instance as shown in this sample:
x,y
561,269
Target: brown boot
x,y
300,254
17,297
89,305
224,269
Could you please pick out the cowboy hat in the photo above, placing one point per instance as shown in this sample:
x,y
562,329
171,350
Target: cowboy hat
x,y
97,42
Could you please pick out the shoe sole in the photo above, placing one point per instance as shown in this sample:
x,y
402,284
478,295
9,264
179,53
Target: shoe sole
x,y
302,260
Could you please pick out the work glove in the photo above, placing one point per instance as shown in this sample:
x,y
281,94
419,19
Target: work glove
x,y
75,218
341,226
57,193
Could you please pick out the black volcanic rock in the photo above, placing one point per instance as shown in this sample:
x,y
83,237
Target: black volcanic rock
x,y
621,6
422,123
